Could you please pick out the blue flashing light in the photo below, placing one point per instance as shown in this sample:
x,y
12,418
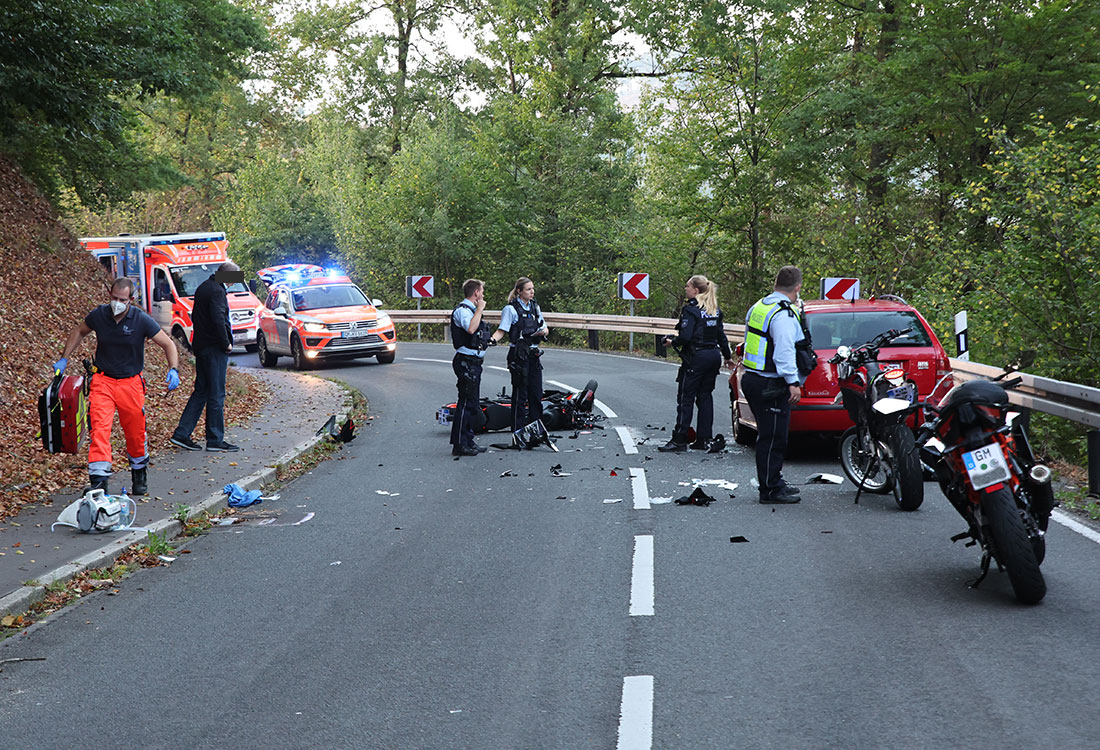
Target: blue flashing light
x,y
333,273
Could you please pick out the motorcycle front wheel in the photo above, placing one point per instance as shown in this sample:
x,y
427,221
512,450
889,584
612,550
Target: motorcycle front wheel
x,y
856,462
1011,546
909,490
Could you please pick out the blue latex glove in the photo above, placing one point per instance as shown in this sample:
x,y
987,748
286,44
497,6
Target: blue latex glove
x,y
60,365
173,379
239,498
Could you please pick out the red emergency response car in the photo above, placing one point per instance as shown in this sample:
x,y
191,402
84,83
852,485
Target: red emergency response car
x,y
314,314
836,322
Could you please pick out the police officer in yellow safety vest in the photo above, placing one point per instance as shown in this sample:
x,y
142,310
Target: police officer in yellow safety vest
x,y
772,381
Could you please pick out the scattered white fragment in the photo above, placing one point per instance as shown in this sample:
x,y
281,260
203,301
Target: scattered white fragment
x,y
165,558
381,492
612,500
456,710
660,500
755,484
338,562
825,479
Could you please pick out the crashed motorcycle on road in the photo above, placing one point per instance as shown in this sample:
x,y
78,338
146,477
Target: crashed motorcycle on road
x,y
561,410
977,446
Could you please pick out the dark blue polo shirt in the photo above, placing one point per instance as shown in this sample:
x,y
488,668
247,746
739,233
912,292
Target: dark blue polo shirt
x,y
120,347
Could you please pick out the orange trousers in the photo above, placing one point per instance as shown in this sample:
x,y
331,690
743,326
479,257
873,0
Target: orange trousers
x,y
127,397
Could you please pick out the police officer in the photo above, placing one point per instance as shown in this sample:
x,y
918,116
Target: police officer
x,y
522,320
701,340
772,381
121,330
470,336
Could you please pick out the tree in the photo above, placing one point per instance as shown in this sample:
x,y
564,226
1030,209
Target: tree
x,y
67,69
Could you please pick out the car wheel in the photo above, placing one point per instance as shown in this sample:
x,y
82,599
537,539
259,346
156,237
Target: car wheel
x,y
742,433
386,358
297,352
181,338
267,359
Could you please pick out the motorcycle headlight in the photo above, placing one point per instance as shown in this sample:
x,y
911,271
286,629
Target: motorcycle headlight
x,y
315,327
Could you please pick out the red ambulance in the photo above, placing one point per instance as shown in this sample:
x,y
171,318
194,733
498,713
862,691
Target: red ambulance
x,y
167,269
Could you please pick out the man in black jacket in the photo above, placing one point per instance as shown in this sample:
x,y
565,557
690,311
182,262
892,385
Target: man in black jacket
x,y
212,344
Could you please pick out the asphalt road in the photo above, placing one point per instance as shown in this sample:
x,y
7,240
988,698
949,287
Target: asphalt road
x,y
469,610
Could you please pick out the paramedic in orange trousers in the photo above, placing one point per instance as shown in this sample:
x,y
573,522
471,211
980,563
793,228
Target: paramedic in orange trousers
x,y
118,385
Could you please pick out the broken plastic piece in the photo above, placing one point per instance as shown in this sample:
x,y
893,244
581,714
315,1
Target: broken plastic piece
x,y
698,497
738,539
608,501
821,478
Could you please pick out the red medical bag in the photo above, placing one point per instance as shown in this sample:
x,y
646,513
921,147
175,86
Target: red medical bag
x,y
63,414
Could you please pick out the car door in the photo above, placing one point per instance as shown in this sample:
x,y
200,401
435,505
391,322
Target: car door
x,y
282,323
163,297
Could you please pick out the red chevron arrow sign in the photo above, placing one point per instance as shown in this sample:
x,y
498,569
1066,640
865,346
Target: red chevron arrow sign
x,y
839,288
419,286
634,286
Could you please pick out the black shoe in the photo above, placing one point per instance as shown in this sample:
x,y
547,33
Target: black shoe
x,y
789,489
139,481
781,496
464,450
673,446
223,447
700,445
480,448
185,443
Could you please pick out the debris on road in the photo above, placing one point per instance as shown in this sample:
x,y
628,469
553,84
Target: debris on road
x,y
610,500
556,471
698,497
738,539
238,498
821,478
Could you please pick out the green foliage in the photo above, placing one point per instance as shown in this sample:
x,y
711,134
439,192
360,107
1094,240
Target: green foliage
x,y
66,69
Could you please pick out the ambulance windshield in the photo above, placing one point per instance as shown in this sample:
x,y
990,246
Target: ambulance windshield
x,y
188,278
334,295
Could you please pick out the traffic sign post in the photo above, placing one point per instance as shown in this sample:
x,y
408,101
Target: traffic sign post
x,y
839,288
419,287
633,286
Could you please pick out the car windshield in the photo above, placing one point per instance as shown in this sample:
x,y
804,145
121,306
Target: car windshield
x,y
335,295
188,278
832,329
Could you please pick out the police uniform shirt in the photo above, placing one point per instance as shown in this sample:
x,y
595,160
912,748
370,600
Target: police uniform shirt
x,y
509,317
463,314
785,331
120,347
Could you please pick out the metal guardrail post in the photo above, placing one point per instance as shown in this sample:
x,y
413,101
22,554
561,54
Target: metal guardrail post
x,y
593,339
1094,463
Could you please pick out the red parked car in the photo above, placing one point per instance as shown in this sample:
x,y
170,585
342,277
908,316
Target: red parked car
x,y
833,323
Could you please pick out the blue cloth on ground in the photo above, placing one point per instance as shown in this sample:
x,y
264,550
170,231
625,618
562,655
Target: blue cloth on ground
x,y
238,498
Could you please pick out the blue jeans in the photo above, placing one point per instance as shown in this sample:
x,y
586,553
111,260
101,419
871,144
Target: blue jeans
x,y
210,368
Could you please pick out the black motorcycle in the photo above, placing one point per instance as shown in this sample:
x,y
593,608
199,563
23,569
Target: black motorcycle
x,y
978,447
879,453
561,410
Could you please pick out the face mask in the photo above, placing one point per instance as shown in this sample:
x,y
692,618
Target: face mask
x,y
118,307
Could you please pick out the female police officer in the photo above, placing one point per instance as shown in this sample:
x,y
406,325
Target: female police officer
x,y
701,341
522,320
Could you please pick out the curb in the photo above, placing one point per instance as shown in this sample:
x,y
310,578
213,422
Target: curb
x,y
21,599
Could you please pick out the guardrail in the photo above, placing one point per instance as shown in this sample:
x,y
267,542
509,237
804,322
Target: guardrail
x,y
1078,403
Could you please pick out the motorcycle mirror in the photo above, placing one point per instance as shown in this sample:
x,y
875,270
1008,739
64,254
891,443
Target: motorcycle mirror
x,y
1026,358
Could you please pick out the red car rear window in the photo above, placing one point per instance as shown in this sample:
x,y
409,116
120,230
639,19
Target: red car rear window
x,y
832,329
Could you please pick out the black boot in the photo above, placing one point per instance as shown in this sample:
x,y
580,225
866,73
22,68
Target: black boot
x,y
673,446
96,482
139,482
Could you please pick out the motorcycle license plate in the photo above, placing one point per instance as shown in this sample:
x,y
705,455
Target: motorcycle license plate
x,y
904,392
443,416
986,466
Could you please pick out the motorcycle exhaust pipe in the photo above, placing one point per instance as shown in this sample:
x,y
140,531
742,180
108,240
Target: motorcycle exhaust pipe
x,y
1039,474
1042,494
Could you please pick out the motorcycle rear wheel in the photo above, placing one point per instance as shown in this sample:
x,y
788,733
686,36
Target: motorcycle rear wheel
x,y
855,464
909,490
1011,546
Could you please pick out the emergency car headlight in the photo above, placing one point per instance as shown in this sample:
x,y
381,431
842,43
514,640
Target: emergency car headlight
x,y
383,319
315,327
311,354
391,347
